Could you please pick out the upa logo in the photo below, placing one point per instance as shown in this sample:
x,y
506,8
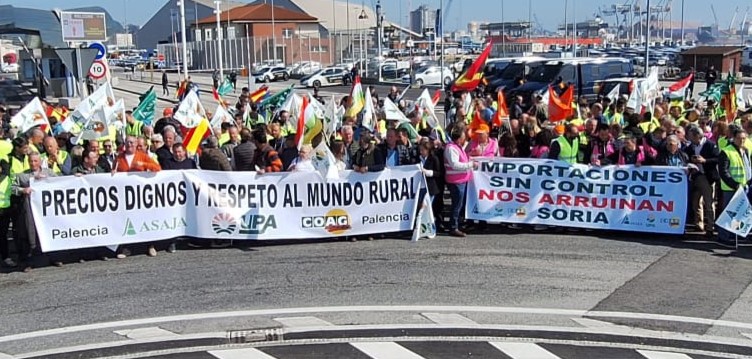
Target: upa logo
x,y
651,218
224,223
257,223
336,221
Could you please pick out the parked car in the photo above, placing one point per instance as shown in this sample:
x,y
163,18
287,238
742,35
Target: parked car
x,y
431,75
306,68
268,74
329,76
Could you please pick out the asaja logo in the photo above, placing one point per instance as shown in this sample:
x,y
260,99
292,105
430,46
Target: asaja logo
x,y
625,220
156,225
336,221
224,223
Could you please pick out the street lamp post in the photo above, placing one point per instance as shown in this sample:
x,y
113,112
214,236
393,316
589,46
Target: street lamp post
x,y
364,16
182,38
379,32
274,37
220,61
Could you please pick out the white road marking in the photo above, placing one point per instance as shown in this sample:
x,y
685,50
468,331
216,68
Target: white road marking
x,y
662,355
302,322
449,319
146,333
391,309
524,350
249,353
385,350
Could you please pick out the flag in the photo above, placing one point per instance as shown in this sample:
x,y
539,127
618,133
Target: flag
x,y
728,101
560,107
33,114
277,99
426,224
332,118
740,98
147,107
436,97
103,96
225,87
190,111
195,136
392,112
635,97
220,116
502,112
470,79
181,89
403,93
300,128
679,88
292,105
426,109
737,216
358,99
98,125
258,95
369,115
613,95
324,161
476,123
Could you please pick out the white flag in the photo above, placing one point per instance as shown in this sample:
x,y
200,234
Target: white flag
x,y
737,216
325,162
614,94
98,124
221,116
426,109
369,114
190,111
332,118
740,103
393,113
33,114
103,96
426,225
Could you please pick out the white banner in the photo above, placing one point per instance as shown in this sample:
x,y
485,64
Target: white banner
x,y
627,198
737,216
104,209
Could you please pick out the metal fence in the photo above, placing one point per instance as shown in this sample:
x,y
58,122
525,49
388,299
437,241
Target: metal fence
x,y
241,52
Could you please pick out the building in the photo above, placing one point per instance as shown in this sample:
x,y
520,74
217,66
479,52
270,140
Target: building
x,y
422,19
293,37
164,25
726,59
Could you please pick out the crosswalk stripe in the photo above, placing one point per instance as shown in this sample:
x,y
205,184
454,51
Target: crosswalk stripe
x,y
386,350
524,350
249,353
662,355
448,319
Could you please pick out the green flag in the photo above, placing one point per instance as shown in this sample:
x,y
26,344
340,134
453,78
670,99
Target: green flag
x,y
277,99
147,106
225,87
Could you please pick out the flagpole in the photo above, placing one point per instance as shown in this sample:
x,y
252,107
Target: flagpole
x,y
182,37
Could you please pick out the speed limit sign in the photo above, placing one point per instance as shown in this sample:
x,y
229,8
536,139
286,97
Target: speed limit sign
x,y
98,69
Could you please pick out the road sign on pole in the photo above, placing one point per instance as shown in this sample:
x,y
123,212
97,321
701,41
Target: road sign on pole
x,y
83,26
101,50
98,69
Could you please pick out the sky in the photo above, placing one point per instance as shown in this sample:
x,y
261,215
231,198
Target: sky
x,y
548,12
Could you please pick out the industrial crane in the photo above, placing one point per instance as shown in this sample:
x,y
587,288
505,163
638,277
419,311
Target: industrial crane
x,y
446,11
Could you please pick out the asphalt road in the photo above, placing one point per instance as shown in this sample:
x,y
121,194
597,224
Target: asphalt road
x,y
601,272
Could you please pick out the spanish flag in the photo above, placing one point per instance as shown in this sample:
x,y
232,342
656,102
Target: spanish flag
x,y
469,80
259,94
195,136
560,107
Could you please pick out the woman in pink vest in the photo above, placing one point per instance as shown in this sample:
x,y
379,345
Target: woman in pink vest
x,y
630,154
481,145
459,171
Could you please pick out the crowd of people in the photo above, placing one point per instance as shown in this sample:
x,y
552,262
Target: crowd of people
x,y
693,135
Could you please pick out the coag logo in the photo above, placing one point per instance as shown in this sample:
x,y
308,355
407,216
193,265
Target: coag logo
x,y
155,225
336,221
674,222
521,212
224,223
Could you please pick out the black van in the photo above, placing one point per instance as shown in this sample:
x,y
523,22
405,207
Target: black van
x,y
586,74
514,74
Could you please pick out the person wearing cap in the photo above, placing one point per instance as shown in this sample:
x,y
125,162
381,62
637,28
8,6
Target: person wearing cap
x,y
567,146
166,120
369,157
481,144
212,158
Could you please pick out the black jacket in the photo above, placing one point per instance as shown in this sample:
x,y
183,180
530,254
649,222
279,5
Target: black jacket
x,y
433,163
243,156
663,157
163,155
373,159
710,153
186,164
